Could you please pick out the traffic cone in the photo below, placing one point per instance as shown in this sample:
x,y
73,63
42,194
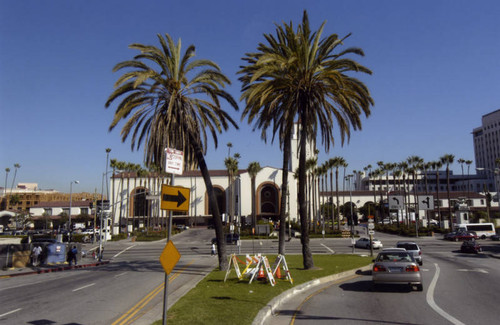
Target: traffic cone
x,y
261,274
278,273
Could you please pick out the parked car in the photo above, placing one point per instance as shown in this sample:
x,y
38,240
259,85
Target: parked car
x,y
396,266
365,243
412,248
495,237
470,246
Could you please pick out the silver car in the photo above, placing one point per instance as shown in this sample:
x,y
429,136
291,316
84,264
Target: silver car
x,y
396,266
413,249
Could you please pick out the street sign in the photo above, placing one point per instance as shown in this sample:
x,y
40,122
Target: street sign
x,y
169,257
396,202
371,232
174,198
426,202
175,161
371,226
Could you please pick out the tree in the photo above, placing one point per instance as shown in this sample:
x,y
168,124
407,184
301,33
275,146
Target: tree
x,y
231,164
7,171
16,167
299,75
253,169
447,160
436,165
169,100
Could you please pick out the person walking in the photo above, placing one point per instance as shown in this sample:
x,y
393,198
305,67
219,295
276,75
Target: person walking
x,y
37,250
213,249
72,254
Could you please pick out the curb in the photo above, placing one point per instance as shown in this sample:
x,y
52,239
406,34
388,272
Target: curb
x,y
55,269
277,301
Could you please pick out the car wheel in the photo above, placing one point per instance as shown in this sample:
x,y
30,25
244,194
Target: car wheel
x,y
420,263
420,287
483,237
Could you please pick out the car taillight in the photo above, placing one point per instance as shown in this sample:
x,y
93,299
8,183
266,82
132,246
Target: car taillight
x,y
419,252
412,268
379,268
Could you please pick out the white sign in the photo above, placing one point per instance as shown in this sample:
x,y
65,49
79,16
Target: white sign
x,y
371,232
175,161
426,202
371,226
396,202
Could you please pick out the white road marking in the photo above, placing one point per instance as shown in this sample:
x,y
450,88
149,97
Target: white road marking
x,y
88,285
473,270
123,251
328,248
10,312
430,300
118,275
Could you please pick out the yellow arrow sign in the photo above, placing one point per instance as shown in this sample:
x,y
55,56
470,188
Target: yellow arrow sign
x,y
175,198
169,257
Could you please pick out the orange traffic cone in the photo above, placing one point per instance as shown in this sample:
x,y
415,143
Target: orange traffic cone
x,y
278,273
261,274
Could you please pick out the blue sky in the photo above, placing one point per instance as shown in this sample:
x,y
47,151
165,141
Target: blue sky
x,y
435,73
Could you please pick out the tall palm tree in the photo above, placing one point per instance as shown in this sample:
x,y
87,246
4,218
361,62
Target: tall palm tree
x,y
300,73
16,167
170,100
338,162
436,165
231,164
7,171
461,161
468,163
447,160
253,169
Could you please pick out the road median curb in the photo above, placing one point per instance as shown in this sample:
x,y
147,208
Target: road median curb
x,y
276,302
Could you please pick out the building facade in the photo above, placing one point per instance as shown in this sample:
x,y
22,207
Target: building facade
x,y
487,146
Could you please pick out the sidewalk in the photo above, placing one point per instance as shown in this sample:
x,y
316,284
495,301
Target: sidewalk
x,y
84,262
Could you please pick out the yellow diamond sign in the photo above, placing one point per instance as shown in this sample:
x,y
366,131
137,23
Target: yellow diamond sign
x,y
169,257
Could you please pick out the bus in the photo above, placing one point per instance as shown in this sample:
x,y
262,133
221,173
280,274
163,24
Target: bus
x,y
482,230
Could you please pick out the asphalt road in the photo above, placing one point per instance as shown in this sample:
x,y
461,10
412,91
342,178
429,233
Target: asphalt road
x,y
458,289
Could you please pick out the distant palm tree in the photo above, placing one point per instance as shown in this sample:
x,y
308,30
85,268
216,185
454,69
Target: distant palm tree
x,y
232,169
16,167
300,73
171,104
253,169
7,171
436,165
468,163
447,160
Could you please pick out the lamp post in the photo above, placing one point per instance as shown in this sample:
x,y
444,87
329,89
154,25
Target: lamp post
x,y
494,172
348,179
69,213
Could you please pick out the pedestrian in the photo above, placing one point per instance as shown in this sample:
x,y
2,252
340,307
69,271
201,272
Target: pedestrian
x,y
72,254
213,249
37,250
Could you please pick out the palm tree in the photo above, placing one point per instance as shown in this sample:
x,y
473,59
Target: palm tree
x,y
468,163
229,146
16,167
253,169
232,169
170,104
338,162
447,160
7,171
298,73
461,161
436,165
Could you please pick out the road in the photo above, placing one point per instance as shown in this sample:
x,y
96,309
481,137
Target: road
x,y
458,289
129,290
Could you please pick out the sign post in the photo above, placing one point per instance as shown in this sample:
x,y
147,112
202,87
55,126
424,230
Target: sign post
x,y
175,166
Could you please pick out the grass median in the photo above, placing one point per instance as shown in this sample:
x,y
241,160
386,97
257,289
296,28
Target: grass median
x,y
214,301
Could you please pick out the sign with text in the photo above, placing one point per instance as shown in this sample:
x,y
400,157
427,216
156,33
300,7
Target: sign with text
x,y
175,161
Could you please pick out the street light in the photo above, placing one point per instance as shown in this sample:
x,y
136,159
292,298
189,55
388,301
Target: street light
x,y
70,197
348,179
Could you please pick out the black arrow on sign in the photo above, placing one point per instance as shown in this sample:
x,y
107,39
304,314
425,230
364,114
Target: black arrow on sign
x,y
179,198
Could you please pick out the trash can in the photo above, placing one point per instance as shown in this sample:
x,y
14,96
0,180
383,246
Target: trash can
x,y
56,253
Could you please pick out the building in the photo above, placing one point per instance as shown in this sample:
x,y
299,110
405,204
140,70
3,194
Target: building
x,y
487,146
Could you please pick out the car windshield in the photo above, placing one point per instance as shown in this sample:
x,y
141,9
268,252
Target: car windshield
x,y
394,257
408,247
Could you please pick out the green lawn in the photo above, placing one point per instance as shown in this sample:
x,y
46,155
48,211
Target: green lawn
x,y
238,302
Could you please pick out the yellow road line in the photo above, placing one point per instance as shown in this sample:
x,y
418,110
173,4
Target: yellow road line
x,y
125,318
297,310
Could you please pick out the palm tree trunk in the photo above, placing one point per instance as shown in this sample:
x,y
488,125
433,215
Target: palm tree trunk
x,y
212,201
304,224
284,193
